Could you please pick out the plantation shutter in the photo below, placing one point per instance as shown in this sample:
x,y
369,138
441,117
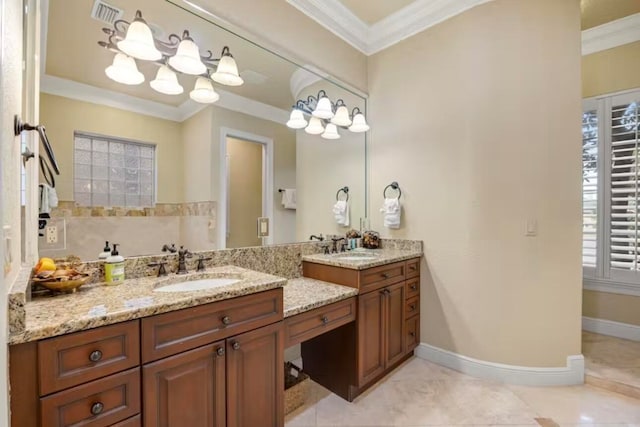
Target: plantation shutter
x,y
589,188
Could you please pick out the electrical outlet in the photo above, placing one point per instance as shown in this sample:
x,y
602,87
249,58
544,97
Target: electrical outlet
x,y
51,234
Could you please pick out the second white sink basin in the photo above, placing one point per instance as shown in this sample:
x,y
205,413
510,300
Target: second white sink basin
x,y
196,285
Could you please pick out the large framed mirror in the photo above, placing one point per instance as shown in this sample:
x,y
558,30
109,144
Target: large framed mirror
x,y
146,169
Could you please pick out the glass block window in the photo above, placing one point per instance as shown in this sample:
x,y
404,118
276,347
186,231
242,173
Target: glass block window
x,y
113,172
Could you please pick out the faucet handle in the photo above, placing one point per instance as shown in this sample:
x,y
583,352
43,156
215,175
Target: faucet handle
x,y
201,261
325,248
161,271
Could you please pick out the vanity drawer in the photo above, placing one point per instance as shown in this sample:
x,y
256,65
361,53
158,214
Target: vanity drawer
x,y
412,307
99,403
413,333
171,333
413,267
77,358
412,287
305,326
131,422
378,277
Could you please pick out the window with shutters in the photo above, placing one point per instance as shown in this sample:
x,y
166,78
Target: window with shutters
x,y
611,193
113,172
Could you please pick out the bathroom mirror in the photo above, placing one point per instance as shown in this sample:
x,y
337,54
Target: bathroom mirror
x,y
143,169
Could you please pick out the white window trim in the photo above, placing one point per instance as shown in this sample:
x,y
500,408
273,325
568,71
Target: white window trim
x,y
602,278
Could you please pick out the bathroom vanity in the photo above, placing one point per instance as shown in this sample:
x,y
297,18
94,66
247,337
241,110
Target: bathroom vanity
x,y
129,355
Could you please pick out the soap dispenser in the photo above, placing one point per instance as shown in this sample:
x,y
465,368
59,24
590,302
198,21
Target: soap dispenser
x,y
105,252
114,267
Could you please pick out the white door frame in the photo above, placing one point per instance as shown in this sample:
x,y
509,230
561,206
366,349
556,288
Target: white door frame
x,y
267,182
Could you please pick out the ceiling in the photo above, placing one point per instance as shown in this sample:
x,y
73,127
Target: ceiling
x,y
72,52
598,12
372,11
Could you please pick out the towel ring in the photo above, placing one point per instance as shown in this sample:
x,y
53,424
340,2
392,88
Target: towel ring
x,y
394,185
345,190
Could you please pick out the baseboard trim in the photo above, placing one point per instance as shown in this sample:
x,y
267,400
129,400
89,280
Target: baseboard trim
x,y
609,327
572,374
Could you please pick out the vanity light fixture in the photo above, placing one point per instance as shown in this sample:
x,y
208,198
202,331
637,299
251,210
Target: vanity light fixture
x,y
326,117
135,40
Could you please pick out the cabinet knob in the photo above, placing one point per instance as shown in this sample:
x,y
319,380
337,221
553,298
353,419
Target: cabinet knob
x,y
226,320
97,408
385,275
95,356
412,334
412,267
414,287
220,352
236,345
325,319
412,307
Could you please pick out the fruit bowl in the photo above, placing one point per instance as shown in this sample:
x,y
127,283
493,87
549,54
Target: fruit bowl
x,y
68,282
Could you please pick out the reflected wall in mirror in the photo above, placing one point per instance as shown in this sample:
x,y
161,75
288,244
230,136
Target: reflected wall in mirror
x,y
144,169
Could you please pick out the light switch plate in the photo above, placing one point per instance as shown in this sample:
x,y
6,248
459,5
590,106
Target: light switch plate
x,y
263,227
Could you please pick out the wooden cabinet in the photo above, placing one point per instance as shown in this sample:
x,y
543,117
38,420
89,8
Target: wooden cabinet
x,y
214,365
385,333
318,321
255,378
187,389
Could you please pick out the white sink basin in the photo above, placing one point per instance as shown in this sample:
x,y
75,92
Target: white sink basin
x,y
357,256
196,285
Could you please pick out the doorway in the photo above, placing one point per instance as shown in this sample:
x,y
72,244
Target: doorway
x,y
245,190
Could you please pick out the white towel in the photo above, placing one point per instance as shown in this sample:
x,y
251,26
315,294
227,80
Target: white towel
x,y
341,212
289,198
48,198
391,210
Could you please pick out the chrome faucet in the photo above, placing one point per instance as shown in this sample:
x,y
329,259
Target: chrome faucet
x,y
182,264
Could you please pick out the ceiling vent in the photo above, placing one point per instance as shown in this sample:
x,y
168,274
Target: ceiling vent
x,y
106,13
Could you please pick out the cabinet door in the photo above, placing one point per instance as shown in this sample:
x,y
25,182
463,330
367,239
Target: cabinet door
x,y
395,336
371,353
255,378
187,389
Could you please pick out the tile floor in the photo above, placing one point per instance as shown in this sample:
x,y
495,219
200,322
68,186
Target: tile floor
x,y
420,393
612,358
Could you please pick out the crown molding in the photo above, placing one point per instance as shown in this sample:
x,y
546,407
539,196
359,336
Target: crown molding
x,y
338,19
87,93
612,34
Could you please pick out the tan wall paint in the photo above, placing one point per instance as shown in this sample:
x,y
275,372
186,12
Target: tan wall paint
x,y
611,70
451,113
598,12
605,72
62,116
277,24
245,183
619,308
202,157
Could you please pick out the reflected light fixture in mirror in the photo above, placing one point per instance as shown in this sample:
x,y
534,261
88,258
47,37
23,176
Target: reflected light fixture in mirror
x,y
324,112
177,54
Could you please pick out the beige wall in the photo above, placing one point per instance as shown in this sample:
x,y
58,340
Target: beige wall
x,y
62,116
482,135
611,70
616,307
277,24
245,186
605,72
202,157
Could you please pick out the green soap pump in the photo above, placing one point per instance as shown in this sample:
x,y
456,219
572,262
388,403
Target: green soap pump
x,y
114,267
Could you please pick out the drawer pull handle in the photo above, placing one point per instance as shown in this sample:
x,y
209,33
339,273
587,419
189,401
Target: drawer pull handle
x,y
236,345
226,320
412,334
97,408
385,275
412,267
220,352
414,287
412,307
95,356
325,319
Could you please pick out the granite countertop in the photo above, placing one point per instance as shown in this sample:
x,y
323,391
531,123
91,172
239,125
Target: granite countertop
x,y
374,258
98,305
305,294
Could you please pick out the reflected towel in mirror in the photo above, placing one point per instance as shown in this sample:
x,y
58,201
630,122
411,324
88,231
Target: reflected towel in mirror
x,y
289,198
